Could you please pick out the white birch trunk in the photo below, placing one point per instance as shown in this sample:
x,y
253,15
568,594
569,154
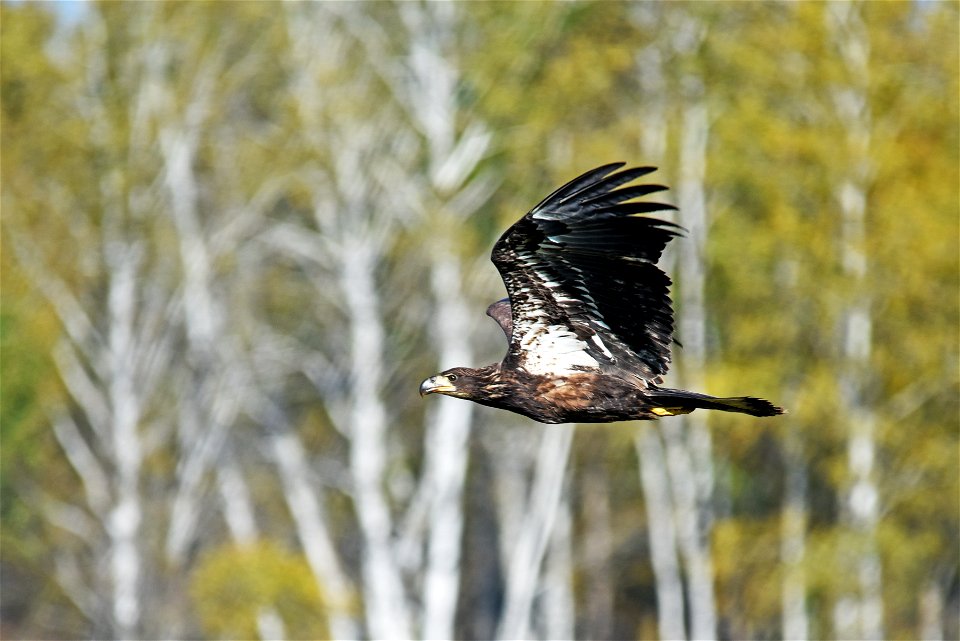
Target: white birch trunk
x,y
123,522
112,396
217,375
384,596
306,508
557,606
112,359
210,384
214,387
654,478
222,380
351,240
123,447
427,90
237,503
931,612
446,460
689,447
693,546
423,83
861,503
596,551
653,86
355,240
512,456
662,534
305,498
793,526
203,418
239,515
530,543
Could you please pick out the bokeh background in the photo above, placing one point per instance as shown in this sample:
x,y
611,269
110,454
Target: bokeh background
x,y
236,236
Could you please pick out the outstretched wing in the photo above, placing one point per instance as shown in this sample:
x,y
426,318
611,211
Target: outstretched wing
x,y
585,291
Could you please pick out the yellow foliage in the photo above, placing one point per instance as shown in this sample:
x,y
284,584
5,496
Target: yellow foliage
x,y
234,585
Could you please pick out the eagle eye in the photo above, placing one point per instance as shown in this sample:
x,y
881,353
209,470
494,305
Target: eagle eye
x,y
451,377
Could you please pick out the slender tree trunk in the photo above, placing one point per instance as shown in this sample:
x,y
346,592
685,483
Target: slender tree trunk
x,y
530,544
239,516
204,417
862,502
653,86
793,526
122,258
654,478
689,444
446,459
423,83
123,522
557,606
351,239
429,97
384,597
596,543
931,612
309,518
111,391
688,474
237,503
662,534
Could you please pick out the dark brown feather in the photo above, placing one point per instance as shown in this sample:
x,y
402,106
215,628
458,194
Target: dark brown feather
x,y
500,312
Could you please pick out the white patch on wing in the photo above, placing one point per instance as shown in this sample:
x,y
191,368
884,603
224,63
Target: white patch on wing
x,y
554,349
603,348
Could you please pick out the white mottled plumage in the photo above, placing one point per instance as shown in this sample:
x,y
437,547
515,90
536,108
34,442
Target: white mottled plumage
x,y
603,348
552,350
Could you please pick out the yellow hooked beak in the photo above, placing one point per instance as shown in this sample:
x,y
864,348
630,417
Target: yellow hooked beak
x,y
438,384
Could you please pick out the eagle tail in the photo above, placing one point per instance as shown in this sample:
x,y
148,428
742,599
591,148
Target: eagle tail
x,y
668,402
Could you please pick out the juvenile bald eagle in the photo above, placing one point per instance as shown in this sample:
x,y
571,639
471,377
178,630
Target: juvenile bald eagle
x,y
588,317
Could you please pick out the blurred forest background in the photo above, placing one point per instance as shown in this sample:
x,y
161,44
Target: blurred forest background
x,y
236,236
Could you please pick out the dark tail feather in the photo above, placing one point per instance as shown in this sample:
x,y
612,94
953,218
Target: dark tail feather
x,y
675,401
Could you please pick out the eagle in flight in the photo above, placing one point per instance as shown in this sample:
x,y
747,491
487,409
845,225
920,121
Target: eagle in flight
x,y
588,315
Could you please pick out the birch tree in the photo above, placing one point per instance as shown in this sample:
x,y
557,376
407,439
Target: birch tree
x,y
859,615
650,452
526,550
216,377
420,69
687,449
209,404
243,235
132,105
113,357
452,189
662,534
354,237
793,542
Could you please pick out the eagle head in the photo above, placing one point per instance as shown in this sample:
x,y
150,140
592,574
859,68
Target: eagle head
x,y
462,382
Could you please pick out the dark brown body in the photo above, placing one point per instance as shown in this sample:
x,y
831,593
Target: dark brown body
x,y
580,398
574,400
